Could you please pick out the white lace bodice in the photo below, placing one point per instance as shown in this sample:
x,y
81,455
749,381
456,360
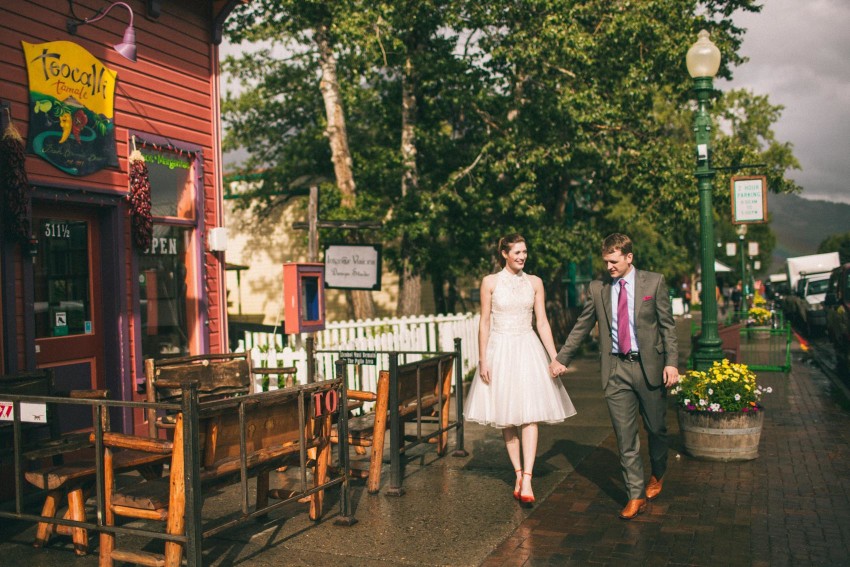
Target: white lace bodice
x,y
513,303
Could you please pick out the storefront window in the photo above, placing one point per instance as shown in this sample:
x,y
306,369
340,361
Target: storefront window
x,y
163,281
168,268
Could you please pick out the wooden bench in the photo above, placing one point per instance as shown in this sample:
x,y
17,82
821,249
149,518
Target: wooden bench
x,y
423,394
278,428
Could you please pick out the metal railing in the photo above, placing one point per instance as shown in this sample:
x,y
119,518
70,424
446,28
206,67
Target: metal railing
x,y
767,349
393,360
195,529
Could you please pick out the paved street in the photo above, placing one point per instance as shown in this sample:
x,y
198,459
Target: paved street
x,y
788,507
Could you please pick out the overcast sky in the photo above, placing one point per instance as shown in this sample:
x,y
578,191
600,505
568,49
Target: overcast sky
x,y
799,54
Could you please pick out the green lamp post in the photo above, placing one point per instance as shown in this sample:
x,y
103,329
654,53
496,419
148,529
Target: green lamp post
x,y
703,61
742,232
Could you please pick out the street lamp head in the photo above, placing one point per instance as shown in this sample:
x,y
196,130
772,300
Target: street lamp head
x,y
703,57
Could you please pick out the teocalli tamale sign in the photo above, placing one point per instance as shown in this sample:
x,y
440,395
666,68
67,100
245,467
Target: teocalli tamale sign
x,y
72,103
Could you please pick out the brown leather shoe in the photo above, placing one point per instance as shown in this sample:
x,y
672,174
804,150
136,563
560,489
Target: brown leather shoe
x,y
633,508
653,489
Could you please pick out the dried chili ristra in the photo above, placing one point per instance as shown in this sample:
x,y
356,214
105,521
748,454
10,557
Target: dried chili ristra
x,y
15,186
140,201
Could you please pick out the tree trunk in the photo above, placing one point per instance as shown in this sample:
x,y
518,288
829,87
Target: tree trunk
x,y
410,283
336,132
362,305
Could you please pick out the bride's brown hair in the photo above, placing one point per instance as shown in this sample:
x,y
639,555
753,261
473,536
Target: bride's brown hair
x,y
505,244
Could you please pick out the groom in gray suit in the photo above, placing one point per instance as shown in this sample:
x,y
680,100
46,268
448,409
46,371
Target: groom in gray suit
x,y
637,338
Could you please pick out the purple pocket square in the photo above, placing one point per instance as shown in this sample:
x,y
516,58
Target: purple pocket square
x,y
648,298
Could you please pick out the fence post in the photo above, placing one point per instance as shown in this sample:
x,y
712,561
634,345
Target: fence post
x,y
346,517
311,359
396,434
192,468
459,449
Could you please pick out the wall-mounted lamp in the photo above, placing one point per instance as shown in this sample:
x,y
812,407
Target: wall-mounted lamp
x,y
127,47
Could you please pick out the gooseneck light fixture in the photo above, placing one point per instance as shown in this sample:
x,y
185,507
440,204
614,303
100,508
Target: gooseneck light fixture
x,y
703,61
127,47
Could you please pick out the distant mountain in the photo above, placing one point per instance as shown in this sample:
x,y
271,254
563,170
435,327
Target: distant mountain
x,y
800,225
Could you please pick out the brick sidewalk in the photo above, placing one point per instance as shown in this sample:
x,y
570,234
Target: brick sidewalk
x,y
791,506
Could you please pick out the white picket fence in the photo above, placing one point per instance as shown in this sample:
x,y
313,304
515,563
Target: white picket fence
x,y
425,333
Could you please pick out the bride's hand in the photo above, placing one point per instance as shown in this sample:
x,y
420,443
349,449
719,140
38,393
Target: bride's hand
x,y
484,373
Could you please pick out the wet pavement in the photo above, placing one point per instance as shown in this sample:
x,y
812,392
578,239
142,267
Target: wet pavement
x,y
791,506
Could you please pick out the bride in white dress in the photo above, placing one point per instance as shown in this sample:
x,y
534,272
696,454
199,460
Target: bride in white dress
x,y
513,389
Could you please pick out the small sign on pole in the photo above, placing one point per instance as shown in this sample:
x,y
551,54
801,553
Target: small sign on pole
x,y
359,357
30,412
749,199
752,249
353,266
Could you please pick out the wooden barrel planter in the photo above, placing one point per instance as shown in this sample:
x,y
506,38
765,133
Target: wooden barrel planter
x,y
732,436
760,333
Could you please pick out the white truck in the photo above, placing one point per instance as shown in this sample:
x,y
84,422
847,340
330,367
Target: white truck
x,y
812,264
808,277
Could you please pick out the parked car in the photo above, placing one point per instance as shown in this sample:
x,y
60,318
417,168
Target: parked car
x,y
837,309
805,306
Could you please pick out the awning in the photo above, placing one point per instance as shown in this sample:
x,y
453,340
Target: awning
x,y
721,267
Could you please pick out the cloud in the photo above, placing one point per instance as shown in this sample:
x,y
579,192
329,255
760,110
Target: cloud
x,y
798,57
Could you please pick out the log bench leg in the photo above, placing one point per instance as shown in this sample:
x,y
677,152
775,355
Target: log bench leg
x,y
262,490
45,529
323,461
77,512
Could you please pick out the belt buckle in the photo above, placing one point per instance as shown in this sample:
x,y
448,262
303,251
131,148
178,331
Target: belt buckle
x,y
632,356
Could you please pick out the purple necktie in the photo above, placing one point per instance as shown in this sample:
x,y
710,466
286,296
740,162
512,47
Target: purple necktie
x,y
624,340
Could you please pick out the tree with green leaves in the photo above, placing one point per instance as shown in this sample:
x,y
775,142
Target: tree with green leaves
x,y
559,119
837,243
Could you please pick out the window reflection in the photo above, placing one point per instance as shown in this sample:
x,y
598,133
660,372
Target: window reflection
x,y
61,278
162,288
172,183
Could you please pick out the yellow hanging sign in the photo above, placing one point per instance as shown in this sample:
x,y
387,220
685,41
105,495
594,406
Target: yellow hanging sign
x,y
72,103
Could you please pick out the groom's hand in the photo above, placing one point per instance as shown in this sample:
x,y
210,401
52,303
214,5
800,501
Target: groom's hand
x,y
671,376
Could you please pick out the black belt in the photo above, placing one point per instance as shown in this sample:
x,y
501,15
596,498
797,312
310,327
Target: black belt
x,y
628,356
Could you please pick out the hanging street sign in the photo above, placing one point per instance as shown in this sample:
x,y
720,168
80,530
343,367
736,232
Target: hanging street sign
x,y
72,97
353,266
749,199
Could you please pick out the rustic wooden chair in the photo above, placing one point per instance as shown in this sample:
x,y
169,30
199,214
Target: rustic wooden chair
x,y
70,477
273,425
419,386
218,376
369,430
289,374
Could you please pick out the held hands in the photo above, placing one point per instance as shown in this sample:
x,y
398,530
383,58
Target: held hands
x,y
671,376
556,369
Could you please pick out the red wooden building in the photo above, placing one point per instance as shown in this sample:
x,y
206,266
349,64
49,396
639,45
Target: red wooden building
x,y
79,295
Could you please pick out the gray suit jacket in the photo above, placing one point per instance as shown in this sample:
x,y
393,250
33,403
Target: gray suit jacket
x,y
654,326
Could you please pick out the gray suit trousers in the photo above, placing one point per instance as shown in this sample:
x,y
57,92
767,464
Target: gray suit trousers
x,y
629,393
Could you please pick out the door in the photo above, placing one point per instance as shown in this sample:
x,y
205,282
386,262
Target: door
x,y
69,336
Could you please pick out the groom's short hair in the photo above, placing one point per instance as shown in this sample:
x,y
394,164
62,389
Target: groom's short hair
x,y
617,241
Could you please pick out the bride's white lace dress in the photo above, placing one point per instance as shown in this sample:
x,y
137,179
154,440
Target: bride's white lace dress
x,y
521,390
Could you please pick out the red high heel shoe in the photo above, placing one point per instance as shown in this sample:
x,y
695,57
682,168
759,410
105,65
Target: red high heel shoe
x,y
518,485
527,501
